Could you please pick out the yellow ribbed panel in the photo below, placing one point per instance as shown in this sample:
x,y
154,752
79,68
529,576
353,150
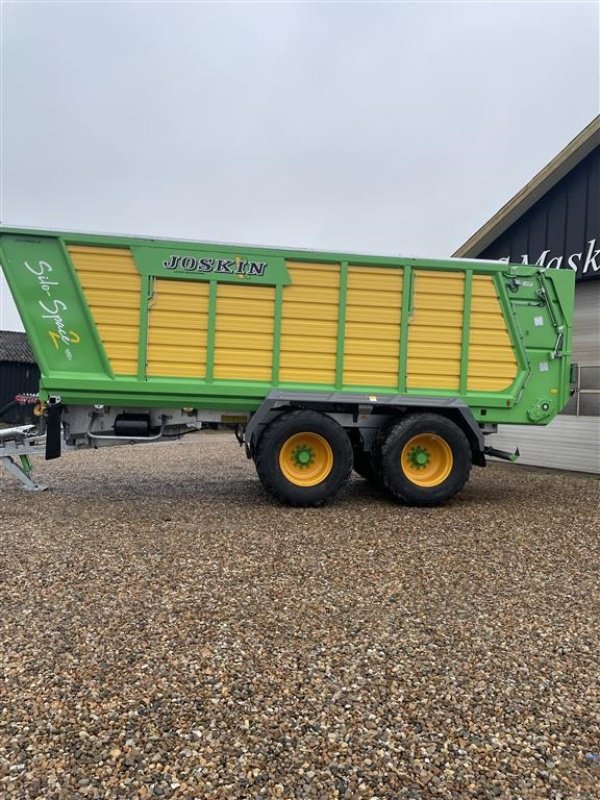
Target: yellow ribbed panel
x,y
111,285
309,324
492,363
177,329
244,332
435,330
372,337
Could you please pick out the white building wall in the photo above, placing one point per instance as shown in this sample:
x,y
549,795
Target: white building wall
x,y
571,443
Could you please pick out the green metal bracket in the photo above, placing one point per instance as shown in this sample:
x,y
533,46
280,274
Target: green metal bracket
x,y
405,315
341,331
277,335
146,293
26,465
210,336
466,333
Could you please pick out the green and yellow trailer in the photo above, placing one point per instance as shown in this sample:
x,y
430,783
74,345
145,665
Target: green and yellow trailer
x,y
321,362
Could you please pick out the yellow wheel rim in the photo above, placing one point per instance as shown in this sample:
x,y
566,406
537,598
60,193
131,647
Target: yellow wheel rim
x,y
306,459
427,460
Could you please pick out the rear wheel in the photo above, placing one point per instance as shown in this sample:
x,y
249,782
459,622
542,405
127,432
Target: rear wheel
x,y
424,459
304,458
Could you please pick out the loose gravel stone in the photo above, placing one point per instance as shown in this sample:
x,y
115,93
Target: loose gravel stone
x,y
169,631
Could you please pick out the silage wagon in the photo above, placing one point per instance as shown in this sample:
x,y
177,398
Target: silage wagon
x,y
320,362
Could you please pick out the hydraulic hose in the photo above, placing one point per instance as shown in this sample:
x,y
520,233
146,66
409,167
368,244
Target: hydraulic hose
x,y
8,407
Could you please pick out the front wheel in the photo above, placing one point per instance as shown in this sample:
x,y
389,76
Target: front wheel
x,y
424,459
304,458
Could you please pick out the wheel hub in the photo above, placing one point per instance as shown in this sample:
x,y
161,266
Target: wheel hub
x,y
419,457
303,456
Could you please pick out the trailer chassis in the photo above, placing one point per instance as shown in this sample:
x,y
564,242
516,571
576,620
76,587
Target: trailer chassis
x,y
68,428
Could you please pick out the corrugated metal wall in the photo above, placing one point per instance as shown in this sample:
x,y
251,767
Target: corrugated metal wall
x,y
586,336
586,347
566,443
16,378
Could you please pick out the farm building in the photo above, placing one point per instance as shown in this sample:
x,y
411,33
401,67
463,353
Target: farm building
x,y
19,374
554,221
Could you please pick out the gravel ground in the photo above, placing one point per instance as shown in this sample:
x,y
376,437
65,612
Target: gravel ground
x,y
168,631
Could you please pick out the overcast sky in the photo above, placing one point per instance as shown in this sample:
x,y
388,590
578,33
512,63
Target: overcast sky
x,y
392,128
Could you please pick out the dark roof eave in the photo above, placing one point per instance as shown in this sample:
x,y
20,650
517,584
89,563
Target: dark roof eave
x,y
15,348
568,158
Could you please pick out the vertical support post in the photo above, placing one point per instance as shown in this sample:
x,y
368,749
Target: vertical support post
x,y
341,331
210,337
53,430
405,315
277,335
145,291
466,332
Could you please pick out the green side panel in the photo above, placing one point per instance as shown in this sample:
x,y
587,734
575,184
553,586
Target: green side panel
x,y
54,312
537,308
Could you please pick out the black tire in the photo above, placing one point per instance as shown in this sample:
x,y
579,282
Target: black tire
x,y
395,472
279,433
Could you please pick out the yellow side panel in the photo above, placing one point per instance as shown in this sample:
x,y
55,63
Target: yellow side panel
x,y
435,330
244,332
492,363
372,338
111,285
309,324
177,329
